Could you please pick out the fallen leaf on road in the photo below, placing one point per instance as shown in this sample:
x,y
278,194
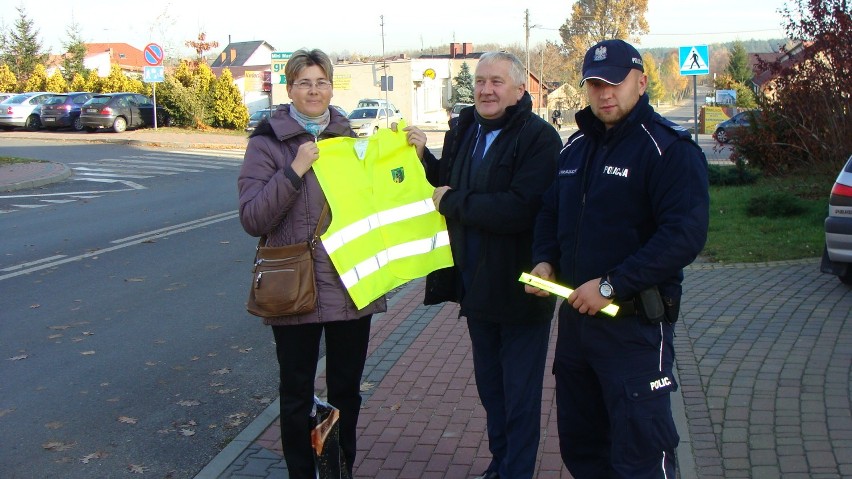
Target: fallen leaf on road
x,y
34,306
187,403
95,455
53,425
134,280
3,412
18,358
227,391
187,432
58,446
87,353
366,386
136,468
127,420
222,371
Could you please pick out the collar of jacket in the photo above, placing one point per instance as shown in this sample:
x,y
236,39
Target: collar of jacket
x,y
590,125
285,127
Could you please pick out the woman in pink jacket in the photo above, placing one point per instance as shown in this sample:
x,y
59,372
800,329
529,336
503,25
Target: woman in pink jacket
x,y
281,198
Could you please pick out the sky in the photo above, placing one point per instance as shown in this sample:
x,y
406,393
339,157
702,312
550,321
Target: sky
x,y
338,26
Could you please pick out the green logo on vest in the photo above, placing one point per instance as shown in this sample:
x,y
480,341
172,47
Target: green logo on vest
x,y
398,174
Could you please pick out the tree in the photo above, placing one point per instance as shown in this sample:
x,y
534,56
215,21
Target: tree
x,y
655,89
201,46
805,123
22,50
75,52
738,66
8,82
78,83
116,81
462,86
56,83
674,83
93,82
229,111
37,80
596,20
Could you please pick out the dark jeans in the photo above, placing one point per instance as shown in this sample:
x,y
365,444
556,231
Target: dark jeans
x,y
297,349
508,362
613,386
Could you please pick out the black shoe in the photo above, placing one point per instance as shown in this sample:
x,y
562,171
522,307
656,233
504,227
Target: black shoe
x,y
488,475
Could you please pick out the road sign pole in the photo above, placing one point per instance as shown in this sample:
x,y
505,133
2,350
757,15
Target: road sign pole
x,y
695,104
154,95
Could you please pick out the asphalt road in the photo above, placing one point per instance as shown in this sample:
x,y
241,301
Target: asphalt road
x,y
125,344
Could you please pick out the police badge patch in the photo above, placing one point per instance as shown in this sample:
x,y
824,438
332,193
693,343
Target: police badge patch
x,y
600,54
398,174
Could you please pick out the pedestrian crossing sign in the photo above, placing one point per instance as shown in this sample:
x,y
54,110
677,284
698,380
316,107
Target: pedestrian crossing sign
x,y
694,60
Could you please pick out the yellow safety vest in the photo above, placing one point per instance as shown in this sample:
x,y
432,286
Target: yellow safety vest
x,y
384,230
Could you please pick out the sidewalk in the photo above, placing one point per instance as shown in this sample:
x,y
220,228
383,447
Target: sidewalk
x,y
421,416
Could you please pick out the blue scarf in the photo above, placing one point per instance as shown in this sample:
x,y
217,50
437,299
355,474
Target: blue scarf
x,y
312,124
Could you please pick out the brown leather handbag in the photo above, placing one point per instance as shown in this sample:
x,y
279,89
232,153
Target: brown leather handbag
x,y
283,278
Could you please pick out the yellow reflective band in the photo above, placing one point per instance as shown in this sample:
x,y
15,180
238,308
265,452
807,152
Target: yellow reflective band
x,y
411,248
377,220
558,290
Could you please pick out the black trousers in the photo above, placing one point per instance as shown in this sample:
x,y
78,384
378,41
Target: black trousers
x,y
297,349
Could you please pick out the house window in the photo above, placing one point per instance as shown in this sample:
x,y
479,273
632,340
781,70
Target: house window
x,y
121,55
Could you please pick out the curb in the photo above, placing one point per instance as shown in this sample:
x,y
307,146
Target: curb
x,y
64,173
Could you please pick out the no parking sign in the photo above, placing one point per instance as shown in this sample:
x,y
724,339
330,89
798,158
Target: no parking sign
x,y
153,54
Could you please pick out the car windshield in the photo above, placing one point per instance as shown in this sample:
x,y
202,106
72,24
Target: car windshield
x,y
56,100
258,115
362,113
17,99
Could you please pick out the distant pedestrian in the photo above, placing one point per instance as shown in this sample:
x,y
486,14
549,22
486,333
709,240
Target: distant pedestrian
x,y
628,211
556,119
496,163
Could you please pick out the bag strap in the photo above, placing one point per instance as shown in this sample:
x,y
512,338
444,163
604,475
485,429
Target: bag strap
x,y
313,241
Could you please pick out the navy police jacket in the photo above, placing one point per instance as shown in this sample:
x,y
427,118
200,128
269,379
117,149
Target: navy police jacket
x,y
630,202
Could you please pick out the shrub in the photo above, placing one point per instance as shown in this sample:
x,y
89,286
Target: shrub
x,y
775,205
721,175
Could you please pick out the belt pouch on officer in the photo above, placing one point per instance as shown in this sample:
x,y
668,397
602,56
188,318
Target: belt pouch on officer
x,y
651,305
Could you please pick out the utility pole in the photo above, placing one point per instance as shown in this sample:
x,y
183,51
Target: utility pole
x,y
387,77
527,35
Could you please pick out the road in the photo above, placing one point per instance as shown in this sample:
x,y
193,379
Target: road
x,y
125,344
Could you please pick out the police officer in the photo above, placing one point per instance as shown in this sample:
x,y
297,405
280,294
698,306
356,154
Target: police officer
x,y
627,212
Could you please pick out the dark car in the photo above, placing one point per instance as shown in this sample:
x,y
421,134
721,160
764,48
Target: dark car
x,y
23,110
727,130
837,256
256,118
120,111
63,110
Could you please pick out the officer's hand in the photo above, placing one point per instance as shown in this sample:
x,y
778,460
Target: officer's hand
x,y
587,298
307,154
543,271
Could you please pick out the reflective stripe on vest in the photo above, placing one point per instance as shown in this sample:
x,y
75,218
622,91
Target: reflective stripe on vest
x,y
385,230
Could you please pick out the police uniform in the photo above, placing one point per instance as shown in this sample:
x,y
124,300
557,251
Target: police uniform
x,y
630,204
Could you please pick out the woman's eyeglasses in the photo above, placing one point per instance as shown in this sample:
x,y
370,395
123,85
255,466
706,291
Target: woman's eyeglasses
x,y
307,84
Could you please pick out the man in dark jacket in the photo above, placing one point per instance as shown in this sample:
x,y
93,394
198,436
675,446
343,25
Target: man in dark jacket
x,y
496,163
628,211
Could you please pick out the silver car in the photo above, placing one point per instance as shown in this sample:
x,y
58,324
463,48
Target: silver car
x,y
837,256
22,110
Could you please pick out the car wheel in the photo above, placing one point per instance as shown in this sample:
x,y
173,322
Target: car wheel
x,y
721,136
846,278
78,124
33,123
119,125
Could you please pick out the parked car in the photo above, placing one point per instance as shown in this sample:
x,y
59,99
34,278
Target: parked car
x,y
20,110
376,103
5,96
63,110
837,255
457,108
120,111
340,110
366,121
256,118
727,130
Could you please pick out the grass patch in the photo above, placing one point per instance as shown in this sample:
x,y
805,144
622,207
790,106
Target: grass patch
x,y
770,220
9,160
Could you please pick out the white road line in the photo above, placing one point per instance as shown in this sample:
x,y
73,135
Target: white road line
x,y
231,214
32,263
115,174
141,238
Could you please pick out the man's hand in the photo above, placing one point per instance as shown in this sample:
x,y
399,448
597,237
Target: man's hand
x,y
438,194
587,298
415,137
543,271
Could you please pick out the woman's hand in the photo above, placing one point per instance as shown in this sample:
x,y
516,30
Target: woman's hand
x,y
307,154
